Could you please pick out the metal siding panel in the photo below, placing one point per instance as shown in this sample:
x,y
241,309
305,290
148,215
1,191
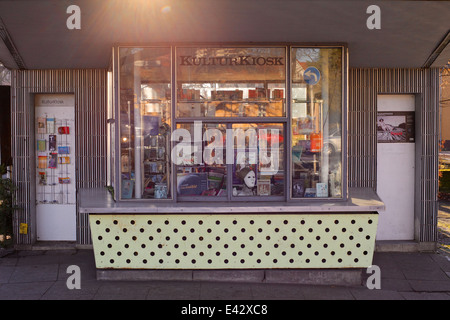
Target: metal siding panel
x,y
89,87
364,85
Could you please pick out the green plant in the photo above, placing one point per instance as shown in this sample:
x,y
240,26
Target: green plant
x,y
111,190
7,189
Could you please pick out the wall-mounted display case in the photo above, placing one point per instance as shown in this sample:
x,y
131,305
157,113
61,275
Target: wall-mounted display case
x,y
234,123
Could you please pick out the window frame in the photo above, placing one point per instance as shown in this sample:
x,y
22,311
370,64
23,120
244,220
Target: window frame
x,y
285,121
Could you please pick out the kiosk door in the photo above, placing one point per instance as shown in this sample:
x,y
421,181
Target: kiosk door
x,y
55,167
395,166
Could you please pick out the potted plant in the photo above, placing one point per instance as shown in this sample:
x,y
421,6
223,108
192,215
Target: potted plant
x,y
7,189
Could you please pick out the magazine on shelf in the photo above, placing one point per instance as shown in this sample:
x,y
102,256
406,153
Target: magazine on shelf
x,y
298,188
52,142
50,125
263,187
41,125
41,145
64,130
64,160
63,149
53,160
322,190
127,188
191,184
310,193
215,180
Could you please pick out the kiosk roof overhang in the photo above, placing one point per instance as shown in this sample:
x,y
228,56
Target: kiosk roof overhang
x,y
411,31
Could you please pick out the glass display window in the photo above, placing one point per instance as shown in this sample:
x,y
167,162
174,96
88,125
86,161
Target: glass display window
x,y
258,164
231,82
236,123
316,122
145,123
200,159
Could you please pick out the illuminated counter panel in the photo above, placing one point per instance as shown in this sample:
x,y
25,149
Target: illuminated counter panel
x,y
237,241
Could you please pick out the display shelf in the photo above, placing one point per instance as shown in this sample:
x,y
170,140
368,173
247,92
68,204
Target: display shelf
x,y
53,159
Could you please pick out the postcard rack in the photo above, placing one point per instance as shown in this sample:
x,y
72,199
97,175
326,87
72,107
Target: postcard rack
x,y
53,158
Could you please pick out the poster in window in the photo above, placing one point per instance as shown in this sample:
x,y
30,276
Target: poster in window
x,y
395,127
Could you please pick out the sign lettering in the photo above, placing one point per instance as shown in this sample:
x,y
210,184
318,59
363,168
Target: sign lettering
x,y
231,61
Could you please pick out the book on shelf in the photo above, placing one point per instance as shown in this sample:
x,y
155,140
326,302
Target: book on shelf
x,y
263,187
191,183
322,190
215,180
127,188
310,193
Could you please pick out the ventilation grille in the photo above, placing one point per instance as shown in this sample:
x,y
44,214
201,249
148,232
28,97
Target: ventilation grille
x,y
233,241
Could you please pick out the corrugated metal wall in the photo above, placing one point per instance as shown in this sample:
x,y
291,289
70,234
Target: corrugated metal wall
x,y
364,86
90,90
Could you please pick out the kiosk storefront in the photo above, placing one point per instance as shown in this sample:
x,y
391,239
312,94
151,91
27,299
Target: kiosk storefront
x,y
231,157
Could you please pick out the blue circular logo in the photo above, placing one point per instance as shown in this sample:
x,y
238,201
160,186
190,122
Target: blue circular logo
x,y
311,75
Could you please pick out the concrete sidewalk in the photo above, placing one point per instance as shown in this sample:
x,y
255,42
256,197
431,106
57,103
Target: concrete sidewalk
x,y
35,275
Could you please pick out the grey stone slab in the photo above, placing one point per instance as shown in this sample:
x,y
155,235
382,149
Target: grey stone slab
x,y
443,261
268,291
5,273
225,291
423,272
122,291
327,293
389,267
36,258
173,291
59,291
425,295
367,294
144,275
395,285
430,285
343,277
24,291
8,261
228,275
47,272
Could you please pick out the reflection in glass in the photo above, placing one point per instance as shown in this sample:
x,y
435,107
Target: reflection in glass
x,y
199,153
231,82
258,168
145,96
316,122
